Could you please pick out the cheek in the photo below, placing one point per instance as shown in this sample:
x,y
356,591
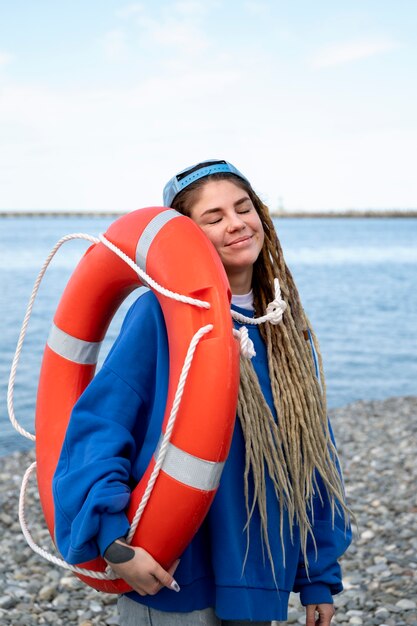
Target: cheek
x,y
258,228
214,237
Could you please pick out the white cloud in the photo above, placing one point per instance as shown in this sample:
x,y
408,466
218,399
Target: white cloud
x,y
185,36
131,10
179,26
256,7
115,45
98,148
339,54
193,8
114,147
5,58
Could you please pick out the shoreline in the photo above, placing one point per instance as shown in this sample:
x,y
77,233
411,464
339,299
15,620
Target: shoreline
x,y
281,214
376,441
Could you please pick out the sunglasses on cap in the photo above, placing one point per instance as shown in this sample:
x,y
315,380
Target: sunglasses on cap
x,y
184,178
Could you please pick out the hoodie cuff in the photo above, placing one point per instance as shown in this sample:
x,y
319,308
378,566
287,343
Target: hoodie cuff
x,y
316,593
112,526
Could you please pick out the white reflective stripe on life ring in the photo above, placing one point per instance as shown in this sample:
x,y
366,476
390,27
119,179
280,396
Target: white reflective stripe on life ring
x,y
149,234
72,348
190,470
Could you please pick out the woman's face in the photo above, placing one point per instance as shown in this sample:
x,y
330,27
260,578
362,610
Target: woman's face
x,y
228,217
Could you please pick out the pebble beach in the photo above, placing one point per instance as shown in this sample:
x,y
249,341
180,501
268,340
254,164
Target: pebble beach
x,y
377,443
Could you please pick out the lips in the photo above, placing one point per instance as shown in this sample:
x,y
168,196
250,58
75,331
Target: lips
x,y
240,240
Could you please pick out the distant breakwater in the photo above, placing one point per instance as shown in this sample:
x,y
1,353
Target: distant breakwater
x,y
66,213
393,213
347,214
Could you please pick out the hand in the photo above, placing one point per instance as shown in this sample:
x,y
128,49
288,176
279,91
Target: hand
x,y
325,611
139,569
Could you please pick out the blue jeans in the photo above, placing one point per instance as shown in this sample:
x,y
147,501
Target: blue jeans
x,y
135,614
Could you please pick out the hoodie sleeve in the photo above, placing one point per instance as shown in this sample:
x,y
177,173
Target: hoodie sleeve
x,y
91,486
332,537
324,576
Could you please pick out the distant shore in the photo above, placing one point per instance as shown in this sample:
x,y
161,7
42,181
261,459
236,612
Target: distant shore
x,y
281,214
346,214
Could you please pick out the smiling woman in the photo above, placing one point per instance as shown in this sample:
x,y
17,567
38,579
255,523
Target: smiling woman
x,y
280,494
226,214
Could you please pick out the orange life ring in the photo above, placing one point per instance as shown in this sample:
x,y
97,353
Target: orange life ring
x,y
177,255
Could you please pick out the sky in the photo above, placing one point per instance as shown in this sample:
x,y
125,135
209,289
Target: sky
x,y
102,101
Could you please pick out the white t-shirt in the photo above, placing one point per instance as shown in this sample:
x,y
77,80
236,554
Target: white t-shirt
x,y
244,301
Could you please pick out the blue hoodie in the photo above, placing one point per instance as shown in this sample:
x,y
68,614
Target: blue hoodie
x,y
112,434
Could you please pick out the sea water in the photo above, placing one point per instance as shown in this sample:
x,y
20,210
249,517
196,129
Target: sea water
x,y
357,279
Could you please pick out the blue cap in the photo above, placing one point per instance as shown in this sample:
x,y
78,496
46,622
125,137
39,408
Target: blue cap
x,y
193,173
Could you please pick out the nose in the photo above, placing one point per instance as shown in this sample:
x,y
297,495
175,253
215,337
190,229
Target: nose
x,y
235,223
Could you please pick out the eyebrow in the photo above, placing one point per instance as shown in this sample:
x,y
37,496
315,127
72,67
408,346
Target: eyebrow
x,y
235,204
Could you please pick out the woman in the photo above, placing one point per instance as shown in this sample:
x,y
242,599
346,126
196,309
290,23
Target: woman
x,y
279,522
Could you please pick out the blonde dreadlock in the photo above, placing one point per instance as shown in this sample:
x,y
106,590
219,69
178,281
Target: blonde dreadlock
x,y
297,445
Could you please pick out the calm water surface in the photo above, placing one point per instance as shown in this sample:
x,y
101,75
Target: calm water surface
x,y
357,279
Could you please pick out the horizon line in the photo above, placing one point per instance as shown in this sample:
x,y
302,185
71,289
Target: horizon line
x,y
282,213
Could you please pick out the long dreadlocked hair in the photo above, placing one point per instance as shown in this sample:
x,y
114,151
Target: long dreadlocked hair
x,y
297,446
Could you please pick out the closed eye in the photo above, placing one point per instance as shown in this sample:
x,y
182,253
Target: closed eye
x,y
238,212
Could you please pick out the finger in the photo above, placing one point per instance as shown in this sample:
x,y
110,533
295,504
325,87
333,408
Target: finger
x,y
173,567
140,591
165,578
150,587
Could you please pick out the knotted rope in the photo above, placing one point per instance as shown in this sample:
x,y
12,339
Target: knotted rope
x,y
274,312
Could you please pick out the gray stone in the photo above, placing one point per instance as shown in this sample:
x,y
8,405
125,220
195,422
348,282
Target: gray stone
x,y
406,605
294,616
95,607
380,569
7,602
47,593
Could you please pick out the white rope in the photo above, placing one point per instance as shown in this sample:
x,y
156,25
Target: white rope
x,y
35,547
274,313
124,257
148,280
10,389
247,349
274,310
108,574
170,425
